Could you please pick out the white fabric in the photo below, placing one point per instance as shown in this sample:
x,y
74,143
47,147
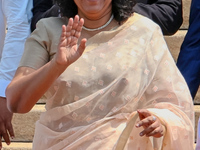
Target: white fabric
x,y
17,15
2,28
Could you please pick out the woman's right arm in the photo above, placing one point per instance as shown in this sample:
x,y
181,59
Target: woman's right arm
x,y
28,85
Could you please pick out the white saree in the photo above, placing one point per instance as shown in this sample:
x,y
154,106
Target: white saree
x,y
92,105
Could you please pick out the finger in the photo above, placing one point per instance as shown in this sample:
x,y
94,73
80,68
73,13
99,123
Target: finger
x,y
149,129
63,34
80,25
69,26
146,121
158,132
10,130
70,22
4,134
6,137
82,46
75,23
63,41
79,28
68,31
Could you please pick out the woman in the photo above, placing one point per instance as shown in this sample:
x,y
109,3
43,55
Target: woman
x,y
94,100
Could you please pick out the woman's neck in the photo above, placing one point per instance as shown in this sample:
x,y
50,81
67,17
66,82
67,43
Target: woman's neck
x,y
93,21
88,34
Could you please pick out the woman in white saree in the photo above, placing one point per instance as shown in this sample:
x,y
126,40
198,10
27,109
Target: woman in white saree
x,y
119,89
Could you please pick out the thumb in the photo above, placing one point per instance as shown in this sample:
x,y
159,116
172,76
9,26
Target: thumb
x,y
82,46
143,113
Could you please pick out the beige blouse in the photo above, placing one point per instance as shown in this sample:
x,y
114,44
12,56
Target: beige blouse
x,y
92,105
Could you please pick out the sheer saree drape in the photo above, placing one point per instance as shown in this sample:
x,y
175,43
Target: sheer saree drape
x,y
93,104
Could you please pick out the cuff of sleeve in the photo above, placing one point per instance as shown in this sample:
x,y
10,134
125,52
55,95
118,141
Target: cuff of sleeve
x,y
3,86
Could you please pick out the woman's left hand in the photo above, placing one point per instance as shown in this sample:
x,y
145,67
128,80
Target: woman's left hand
x,y
151,124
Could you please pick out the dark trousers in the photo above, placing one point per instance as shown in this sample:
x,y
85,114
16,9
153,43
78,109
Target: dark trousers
x,y
189,58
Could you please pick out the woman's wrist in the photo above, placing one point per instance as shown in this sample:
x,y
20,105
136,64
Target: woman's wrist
x,y
59,68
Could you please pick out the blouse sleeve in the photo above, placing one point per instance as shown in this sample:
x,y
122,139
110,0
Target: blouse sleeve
x,y
36,53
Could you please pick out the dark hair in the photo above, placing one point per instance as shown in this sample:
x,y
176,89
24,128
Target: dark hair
x,y
122,9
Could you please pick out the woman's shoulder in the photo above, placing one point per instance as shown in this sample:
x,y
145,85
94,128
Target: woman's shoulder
x,y
143,22
52,22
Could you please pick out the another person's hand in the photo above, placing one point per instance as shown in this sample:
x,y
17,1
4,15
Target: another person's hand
x,y
68,49
151,124
6,129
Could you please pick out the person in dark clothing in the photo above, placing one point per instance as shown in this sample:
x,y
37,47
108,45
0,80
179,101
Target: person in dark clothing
x,y
167,14
43,9
189,57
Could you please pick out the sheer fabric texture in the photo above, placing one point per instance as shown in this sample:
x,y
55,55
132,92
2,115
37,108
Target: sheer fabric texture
x,y
93,104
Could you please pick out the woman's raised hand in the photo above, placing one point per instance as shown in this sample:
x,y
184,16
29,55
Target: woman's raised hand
x,y
68,49
152,125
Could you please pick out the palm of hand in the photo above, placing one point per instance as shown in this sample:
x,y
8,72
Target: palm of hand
x,y
68,50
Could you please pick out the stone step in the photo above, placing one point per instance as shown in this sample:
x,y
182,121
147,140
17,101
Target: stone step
x,y
18,146
197,98
41,101
175,41
24,124
186,12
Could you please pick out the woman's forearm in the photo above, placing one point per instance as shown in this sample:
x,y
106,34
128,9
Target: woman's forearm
x,y
28,86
